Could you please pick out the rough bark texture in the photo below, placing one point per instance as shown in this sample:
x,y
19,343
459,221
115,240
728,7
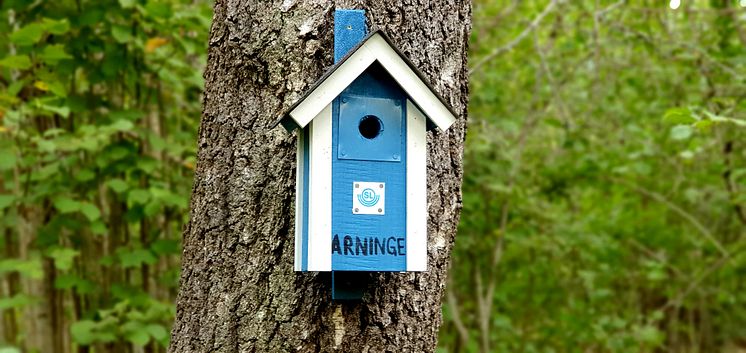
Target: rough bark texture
x,y
239,292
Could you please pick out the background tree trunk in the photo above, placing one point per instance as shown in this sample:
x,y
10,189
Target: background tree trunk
x,y
238,288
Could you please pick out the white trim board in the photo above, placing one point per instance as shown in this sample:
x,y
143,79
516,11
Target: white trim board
x,y
374,49
320,192
416,189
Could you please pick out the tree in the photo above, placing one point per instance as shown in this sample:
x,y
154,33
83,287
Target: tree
x,y
238,290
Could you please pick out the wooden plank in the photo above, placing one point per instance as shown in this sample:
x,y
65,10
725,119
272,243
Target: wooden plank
x,y
416,189
320,192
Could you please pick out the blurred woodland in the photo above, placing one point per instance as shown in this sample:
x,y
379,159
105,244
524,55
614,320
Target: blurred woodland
x,y
604,185
605,180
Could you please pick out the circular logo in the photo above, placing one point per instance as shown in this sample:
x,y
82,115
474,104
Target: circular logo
x,y
368,197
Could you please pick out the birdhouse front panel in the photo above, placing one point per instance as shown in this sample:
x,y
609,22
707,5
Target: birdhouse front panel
x,y
369,175
361,193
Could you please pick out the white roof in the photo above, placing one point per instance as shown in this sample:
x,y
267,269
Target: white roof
x,y
376,47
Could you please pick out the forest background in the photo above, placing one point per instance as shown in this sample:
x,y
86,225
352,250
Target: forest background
x,y
604,187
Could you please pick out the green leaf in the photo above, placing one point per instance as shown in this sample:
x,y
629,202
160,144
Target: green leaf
x,y
98,228
90,211
62,111
136,258
82,332
122,125
20,62
54,53
158,9
121,34
31,268
66,204
9,350
28,35
56,26
85,175
127,4
157,331
63,257
6,200
17,301
57,88
117,185
165,246
68,281
7,159
676,116
649,334
138,196
138,337
681,132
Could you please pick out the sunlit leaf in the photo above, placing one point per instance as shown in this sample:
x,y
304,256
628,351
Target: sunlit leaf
x,y
28,35
82,332
90,211
21,62
54,53
56,26
63,257
681,132
676,116
121,34
66,204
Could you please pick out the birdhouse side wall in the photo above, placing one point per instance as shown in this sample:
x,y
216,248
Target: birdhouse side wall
x,y
314,190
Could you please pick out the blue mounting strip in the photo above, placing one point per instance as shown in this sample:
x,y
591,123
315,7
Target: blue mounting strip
x,y
349,30
306,186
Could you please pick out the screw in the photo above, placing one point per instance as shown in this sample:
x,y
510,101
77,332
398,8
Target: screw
x,y
357,185
396,157
344,100
356,210
380,186
396,102
380,210
349,27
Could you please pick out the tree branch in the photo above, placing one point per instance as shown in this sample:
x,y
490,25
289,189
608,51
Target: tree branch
x,y
526,31
680,211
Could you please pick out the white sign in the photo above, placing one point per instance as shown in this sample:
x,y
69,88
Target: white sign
x,y
368,198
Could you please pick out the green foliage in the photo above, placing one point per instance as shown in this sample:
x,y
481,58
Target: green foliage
x,y
99,107
604,183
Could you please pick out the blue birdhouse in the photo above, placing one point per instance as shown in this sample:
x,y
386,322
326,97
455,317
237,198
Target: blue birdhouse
x,y
361,187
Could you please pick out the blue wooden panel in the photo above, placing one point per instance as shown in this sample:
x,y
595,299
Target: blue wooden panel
x,y
369,242
349,30
306,174
386,145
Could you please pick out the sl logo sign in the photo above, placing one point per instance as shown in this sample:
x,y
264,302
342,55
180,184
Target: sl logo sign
x,y
369,198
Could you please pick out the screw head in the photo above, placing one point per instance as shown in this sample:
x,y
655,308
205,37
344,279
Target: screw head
x,y
380,186
380,210
356,210
357,186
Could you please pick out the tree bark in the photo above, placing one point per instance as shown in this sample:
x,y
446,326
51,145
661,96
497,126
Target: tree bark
x,y
238,291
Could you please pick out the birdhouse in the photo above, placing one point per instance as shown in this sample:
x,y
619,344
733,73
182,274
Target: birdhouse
x,y
361,187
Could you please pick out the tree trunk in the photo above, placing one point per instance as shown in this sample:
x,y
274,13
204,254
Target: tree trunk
x,y
239,292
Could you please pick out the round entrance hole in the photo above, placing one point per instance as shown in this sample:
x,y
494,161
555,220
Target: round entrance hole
x,y
370,126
